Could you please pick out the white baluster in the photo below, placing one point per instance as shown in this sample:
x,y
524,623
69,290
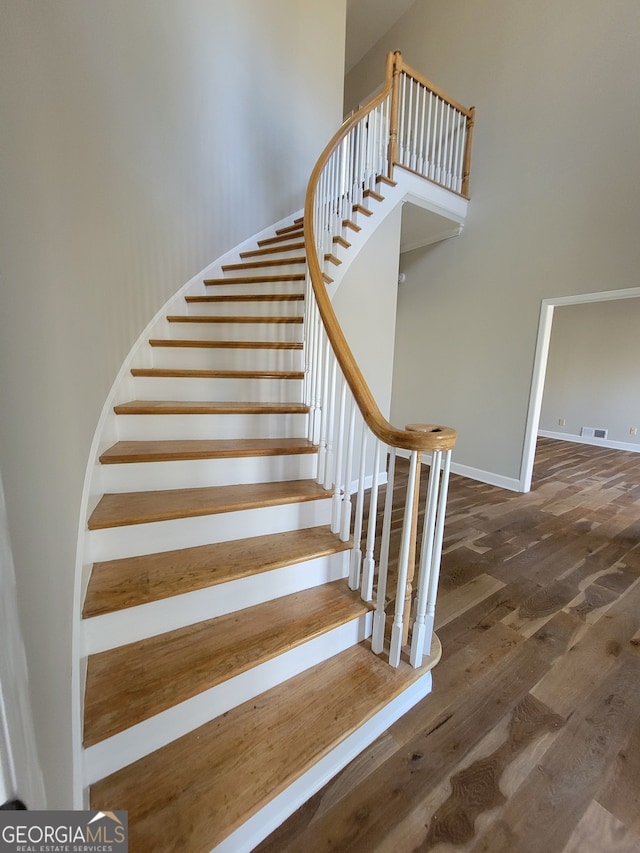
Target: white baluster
x,y
440,136
379,616
452,117
345,519
420,628
338,490
356,551
368,566
322,447
317,414
329,462
401,119
430,137
403,565
410,141
422,155
434,573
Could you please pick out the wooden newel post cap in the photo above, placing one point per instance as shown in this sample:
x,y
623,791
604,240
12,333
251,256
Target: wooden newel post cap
x,y
443,438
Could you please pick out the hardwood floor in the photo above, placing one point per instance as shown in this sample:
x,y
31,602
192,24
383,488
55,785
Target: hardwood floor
x,y
530,740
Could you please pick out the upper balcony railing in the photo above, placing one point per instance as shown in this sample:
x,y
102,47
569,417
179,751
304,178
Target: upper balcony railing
x,y
414,125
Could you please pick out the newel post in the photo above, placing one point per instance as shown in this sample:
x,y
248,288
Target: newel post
x,y
466,172
393,114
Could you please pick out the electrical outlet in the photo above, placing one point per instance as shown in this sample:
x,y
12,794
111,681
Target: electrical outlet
x,y
561,422
633,431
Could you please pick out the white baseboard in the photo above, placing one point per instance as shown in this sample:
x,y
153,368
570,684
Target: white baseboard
x,y
478,474
598,442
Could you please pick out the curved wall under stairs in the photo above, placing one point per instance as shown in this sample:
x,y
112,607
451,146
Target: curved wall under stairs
x,y
210,592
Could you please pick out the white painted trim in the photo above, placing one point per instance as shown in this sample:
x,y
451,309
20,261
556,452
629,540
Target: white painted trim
x,y
258,827
120,391
146,737
540,368
596,442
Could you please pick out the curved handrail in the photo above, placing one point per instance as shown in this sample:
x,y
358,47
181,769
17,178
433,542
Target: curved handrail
x,y
433,437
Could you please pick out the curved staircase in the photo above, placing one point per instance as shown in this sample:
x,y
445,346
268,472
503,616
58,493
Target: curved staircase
x,y
227,653
225,661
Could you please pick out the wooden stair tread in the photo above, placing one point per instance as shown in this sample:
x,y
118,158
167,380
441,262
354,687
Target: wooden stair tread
x,y
256,279
216,374
373,194
236,318
282,238
189,343
131,683
180,407
267,264
132,581
383,179
248,297
194,792
272,250
334,259
359,208
348,223
118,510
221,448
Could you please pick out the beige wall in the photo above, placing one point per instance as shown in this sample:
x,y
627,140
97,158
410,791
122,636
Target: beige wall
x,y
554,202
365,304
139,141
592,374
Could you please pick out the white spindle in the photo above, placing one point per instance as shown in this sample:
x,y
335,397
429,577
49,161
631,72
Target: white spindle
x,y
338,490
430,125
318,360
421,151
420,628
345,519
331,414
403,565
356,551
407,122
451,161
379,616
324,396
402,113
368,566
440,141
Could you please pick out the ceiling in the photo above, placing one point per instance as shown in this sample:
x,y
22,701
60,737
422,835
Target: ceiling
x,y
367,21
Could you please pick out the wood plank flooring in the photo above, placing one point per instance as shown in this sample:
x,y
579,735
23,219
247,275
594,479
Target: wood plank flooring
x,y
530,740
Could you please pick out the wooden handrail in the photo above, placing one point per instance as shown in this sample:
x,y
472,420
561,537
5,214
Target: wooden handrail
x,y
429,440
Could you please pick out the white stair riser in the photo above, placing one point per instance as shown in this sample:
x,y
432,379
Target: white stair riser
x,y
289,332
221,358
244,287
193,473
128,746
246,309
128,626
229,390
137,539
167,427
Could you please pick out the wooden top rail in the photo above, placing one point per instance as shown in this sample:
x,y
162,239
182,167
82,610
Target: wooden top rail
x,y
428,440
